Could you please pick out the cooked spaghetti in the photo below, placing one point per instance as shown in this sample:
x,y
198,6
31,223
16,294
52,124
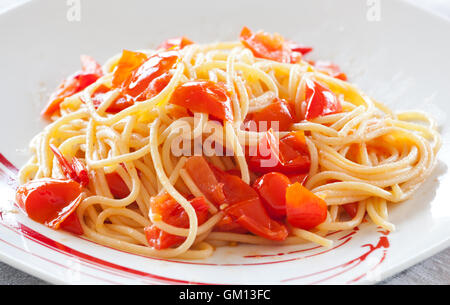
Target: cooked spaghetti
x,y
108,167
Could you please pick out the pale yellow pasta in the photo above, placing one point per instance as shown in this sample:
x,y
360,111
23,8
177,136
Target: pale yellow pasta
x,y
365,154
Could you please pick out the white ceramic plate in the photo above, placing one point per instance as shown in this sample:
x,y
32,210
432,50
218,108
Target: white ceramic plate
x,y
401,59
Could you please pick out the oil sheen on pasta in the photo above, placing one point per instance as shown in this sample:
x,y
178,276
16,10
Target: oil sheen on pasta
x,y
362,157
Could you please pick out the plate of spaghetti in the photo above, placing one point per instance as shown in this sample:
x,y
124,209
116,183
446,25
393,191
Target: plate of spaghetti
x,y
212,161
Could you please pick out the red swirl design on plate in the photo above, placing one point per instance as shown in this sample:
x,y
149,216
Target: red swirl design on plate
x,y
383,243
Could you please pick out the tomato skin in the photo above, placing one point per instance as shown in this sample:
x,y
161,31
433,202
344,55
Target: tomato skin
x,y
351,208
278,111
74,170
52,202
267,158
330,68
234,172
300,178
158,84
173,214
251,215
237,172
160,239
177,112
271,46
272,190
145,81
206,97
201,209
119,104
89,65
294,153
234,189
72,224
304,209
296,140
204,178
243,210
129,61
295,47
91,71
246,209
227,224
175,43
81,172
117,186
320,100
140,77
103,92
289,155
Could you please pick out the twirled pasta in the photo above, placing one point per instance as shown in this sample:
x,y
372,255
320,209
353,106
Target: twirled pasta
x,y
392,153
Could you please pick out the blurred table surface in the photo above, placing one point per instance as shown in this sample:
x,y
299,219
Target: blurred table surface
x,y
435,270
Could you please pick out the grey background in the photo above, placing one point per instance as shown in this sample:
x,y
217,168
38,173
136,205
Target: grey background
x,y
434,271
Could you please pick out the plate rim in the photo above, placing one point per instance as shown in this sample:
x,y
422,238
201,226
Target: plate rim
x,y
430,251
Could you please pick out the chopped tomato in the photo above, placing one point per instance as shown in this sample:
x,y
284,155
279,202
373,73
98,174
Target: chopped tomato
x,y
89,65
320,100
81,172
177,112
330,68
234,189
267,154
206,97
120,103
251,215
299,48
151,77
159,84
117,186
140,77
294,153
304,209
351,208
72,224
289,155
178,42
272,46
129,61
74,170
173,214
277,111
52,202
99,95
234,172
272,190
246,209
91,71
300,178
243,204
160,239
238,173
227,224
204,179
296,140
